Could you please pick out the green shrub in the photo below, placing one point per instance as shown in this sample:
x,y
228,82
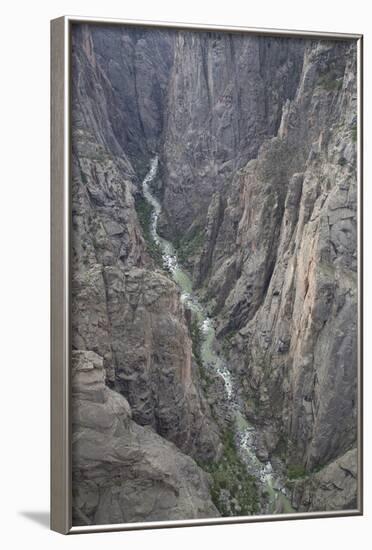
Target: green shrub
x,y
189,245
317,468
330,82
229,474
83,177
296,471
144,213
226,342
196,337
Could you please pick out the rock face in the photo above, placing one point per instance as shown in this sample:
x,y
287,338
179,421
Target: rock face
x,y
130,313
123,75
257,154
123,472
124,308
288,289
226,96
278,265
333,488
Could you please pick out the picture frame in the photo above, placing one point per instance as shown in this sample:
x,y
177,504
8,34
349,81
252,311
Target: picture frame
x,y
61,272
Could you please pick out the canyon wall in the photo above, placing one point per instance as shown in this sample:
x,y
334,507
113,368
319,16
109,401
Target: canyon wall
x,y
290,299
124,309
278,262
225,98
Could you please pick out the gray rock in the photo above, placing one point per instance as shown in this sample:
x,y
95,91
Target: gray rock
x,y
289,230
333,488
123,308
224,102
123,472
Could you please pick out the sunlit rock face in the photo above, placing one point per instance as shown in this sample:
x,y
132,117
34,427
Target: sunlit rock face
x,y
256,181
286,286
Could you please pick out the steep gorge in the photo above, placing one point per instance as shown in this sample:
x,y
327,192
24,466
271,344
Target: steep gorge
x,y
257,163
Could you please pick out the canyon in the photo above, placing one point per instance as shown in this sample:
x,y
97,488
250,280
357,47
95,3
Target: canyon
x,y
214,274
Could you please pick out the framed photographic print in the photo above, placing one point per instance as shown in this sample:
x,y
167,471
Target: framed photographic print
x,y
206,274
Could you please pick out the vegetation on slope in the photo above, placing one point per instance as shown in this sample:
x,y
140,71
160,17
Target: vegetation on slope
x,y
234,492
144,213
189,245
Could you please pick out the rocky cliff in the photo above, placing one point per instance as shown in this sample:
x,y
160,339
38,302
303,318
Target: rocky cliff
x,y
225,97
125,309
123,472
120,87
278,264
256,140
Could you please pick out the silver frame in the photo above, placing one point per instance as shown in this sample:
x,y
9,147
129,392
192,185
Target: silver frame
x,y
61,485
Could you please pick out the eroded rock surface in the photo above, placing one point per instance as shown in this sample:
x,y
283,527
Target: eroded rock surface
x,y
283,271
125,309
226,95
123,472
333,488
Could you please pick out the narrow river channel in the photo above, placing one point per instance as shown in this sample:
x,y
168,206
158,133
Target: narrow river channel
x,y
213,361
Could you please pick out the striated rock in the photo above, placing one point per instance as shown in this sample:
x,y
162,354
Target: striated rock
x,y
226,94
212,226
288,274
154,363
123,74
123,472
333,488
123,309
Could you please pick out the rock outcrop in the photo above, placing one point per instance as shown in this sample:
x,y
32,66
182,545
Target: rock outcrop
x,y
123,472
333,488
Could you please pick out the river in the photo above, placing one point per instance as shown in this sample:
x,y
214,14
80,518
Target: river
x,y
212,360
